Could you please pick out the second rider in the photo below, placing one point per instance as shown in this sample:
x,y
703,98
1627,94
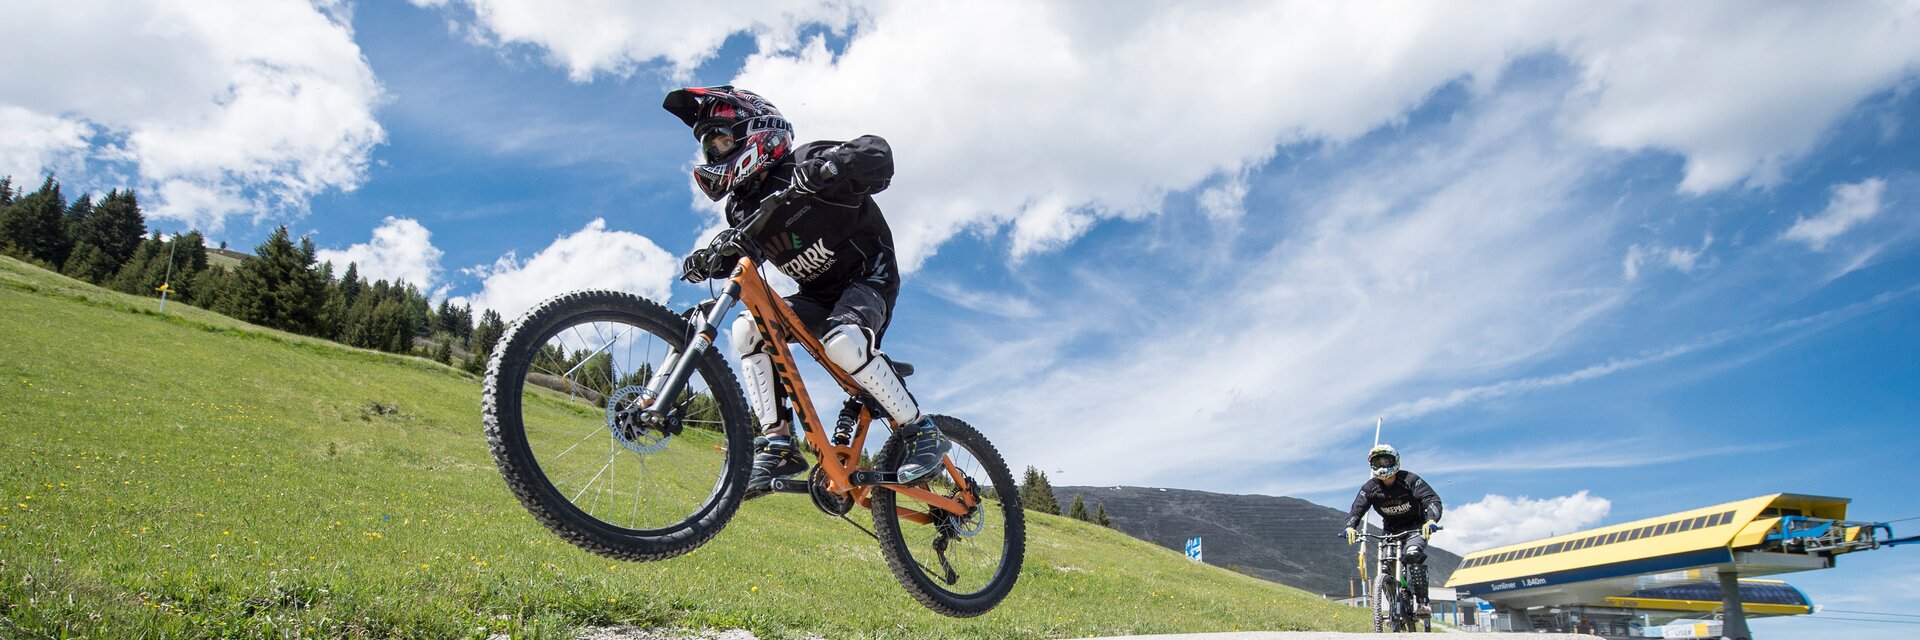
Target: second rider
x,y
1405,503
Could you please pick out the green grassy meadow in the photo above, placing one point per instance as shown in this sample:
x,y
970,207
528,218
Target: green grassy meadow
x,y
189,475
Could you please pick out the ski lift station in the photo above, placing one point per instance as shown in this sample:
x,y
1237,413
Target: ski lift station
x,y
1624,580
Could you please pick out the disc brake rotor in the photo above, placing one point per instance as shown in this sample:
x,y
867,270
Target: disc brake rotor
x,y
623,419
975,521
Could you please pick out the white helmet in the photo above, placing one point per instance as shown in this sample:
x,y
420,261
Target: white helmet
x,y
1384,460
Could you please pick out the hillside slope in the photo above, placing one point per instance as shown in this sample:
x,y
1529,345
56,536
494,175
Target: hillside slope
x,y
188,475
1286,540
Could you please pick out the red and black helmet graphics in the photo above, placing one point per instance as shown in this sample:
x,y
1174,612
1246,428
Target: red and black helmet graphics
x,y
740,135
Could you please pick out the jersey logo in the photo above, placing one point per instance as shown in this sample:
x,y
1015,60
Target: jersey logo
x,y
1395,509
810,264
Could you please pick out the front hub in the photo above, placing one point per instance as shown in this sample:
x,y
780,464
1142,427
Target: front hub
x,y
624,409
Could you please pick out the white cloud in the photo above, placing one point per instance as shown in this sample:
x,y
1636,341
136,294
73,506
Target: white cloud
x,y
401,249
1498,520
1677,258
37,144
1851,205
1452,253
1041,119
1004,305
590,37
219,107
591,258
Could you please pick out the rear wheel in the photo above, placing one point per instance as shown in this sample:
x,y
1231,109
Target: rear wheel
x,y
560,407
957,566
1403,617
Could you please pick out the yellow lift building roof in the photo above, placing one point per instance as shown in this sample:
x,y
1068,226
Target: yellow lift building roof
x,y
1764,535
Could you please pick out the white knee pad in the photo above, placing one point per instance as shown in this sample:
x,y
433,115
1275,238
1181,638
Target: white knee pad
x,y
746,335
757,367
850,349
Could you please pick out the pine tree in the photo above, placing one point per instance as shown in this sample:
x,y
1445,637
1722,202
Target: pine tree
x,y
1100,516
132,275
1036,493
280,288
463,321
421,311
189,254
351,283
116,225
105,237
392,326
1079,509
35,227
480,345
210,288
79,210
442,353
489,331
6,191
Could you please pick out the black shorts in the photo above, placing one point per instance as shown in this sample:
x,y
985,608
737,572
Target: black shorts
x,y
857,304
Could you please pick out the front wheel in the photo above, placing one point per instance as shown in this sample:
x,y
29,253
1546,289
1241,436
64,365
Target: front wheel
x,y
561,405
956,566
1381,607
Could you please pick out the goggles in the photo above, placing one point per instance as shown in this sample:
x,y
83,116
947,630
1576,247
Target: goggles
x,y
717,143
1382,462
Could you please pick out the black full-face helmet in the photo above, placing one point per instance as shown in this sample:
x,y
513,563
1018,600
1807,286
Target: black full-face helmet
x,y
741,135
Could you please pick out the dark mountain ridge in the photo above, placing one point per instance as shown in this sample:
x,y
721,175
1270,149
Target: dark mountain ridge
x,y
1285,540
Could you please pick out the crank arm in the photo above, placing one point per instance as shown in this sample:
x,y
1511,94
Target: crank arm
x,y
788,485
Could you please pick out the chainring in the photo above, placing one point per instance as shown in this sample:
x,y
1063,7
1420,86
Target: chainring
x,y
827,501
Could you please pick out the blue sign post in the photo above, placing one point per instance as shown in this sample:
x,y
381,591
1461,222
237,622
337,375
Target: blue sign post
x,y
1193,548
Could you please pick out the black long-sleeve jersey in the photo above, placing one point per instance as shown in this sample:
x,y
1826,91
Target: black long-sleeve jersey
x,y
1407,504
839,236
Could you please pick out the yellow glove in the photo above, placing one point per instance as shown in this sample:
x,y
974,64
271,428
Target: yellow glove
x,y
1353,535
1426,530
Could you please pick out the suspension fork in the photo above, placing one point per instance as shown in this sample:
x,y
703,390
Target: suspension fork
x,y
666,387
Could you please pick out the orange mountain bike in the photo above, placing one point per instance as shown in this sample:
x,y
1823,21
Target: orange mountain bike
x,y
622,430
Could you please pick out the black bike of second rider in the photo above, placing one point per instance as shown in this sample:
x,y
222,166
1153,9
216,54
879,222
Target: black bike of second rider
x,y
1404,505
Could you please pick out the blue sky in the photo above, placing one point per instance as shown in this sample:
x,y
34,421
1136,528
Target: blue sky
x,y
1591,264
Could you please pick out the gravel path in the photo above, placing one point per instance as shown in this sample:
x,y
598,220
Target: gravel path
x,y
1316,635
636,633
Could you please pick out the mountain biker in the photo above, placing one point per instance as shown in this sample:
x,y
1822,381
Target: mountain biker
x,y
831,239
1405,503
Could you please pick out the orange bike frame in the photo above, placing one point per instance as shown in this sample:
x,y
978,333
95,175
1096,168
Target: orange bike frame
x,y
779,326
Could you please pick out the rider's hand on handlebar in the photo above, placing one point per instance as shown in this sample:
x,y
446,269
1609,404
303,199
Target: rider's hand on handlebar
x,y
699,266
814,176
1426,530
1353,535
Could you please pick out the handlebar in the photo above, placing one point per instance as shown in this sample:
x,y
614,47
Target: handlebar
x,y
738,241
1385,536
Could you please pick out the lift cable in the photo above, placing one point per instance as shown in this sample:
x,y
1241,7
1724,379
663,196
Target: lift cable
x,y
1869,612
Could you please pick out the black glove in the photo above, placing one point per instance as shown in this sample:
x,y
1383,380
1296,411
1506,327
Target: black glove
x,y
698,267
815,176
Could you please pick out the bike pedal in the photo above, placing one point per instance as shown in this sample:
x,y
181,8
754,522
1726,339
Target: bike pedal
x,y
788,485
